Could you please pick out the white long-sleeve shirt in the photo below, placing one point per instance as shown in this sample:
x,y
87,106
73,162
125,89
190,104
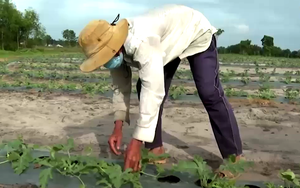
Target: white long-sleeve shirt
x,y
156,38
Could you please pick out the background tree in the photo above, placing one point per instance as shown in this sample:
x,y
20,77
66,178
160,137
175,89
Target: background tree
x,y
268,43
219,32
49,40
70,37
245,46
24,30
19,28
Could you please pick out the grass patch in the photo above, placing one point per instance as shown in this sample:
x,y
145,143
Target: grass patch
x,y
41,51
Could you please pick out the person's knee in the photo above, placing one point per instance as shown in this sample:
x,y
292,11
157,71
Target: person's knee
x,y
211,95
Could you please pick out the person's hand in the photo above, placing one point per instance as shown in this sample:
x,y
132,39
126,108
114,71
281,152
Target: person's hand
x,y
115,139
133,155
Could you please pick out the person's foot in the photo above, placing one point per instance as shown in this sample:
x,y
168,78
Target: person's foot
x,y
227,173
158,151
239,157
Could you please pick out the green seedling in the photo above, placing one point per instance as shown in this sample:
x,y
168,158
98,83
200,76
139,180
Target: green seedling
x,y
264,92
264,77
176,91
60,160
288,79
18,154
291,93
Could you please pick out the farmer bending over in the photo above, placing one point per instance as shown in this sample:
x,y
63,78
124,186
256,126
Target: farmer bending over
x,y
155,43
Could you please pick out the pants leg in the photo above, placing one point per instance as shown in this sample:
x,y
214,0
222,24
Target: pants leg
x,y
205,70
169,71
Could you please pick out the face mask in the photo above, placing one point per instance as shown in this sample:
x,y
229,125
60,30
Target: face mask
x,y
115,62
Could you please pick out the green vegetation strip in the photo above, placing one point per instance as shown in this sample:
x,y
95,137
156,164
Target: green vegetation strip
x,y
269,61
85,88
19,155
264,91
225,76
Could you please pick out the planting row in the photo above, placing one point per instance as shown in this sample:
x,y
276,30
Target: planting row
x,y
225,59
182,77
257,70
56,163
263,76
176,91
72,66
267,61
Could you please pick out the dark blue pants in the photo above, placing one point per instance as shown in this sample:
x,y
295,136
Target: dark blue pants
x,y
205,70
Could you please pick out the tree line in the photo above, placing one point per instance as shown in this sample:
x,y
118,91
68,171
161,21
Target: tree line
x,y
24,30
267,48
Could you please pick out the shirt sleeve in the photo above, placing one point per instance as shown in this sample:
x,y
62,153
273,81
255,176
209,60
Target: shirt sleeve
x,y
121,85
151,73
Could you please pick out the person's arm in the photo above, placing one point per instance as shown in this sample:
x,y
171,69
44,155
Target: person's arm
x,y
121,83
151,74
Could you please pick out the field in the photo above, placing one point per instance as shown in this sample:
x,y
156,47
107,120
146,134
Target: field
x,y
47,99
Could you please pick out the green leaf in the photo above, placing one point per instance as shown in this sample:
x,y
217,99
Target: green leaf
x,y
44,162
23,162
234,166
232,158
296,182
34,146
45,176
70,144
186,166
56,148
88,150
288,175
12,156
159,168
104,182
15,144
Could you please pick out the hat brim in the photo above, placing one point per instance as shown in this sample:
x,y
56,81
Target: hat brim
x,y
120,33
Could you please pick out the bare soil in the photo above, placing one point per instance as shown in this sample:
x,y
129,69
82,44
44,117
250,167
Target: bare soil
x,y
237,69
2,60
270,131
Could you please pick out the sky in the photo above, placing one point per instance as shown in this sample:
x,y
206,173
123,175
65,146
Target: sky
x,y
240,19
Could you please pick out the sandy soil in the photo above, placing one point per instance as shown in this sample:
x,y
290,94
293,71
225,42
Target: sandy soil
x,y
251,71
270,133
2,59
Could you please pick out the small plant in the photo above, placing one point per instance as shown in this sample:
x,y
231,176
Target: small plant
x,y
226,76
61,161
288,79
184,74
265,92
257,69
289,179
231,92
209,179
291,93
245,80
176,91
287,73
246,72
245,77
18,154
273,71
264,77
111,174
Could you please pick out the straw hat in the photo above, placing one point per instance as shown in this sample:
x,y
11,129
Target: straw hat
x,y
100,41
